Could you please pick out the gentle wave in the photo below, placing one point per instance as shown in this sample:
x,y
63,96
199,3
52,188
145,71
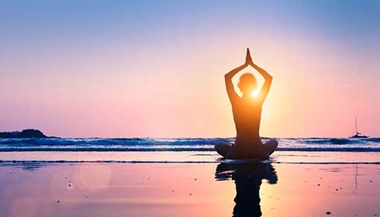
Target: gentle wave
x,y
113,149
181,144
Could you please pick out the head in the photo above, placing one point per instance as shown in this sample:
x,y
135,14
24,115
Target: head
x,y
247,83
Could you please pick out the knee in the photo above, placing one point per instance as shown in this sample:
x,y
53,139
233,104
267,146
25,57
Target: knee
x,y
271,145
217,147
220,146
223,149
274,142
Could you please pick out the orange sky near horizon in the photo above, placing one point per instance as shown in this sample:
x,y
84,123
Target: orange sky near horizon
x,y
113,72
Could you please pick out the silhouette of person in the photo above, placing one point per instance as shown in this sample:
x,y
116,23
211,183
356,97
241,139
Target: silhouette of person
x,y
247,115
247,178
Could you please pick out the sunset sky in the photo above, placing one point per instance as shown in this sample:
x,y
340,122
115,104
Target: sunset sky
x,y
156,68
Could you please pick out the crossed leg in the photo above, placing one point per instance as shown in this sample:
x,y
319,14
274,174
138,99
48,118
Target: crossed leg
x,y
224,149
270,146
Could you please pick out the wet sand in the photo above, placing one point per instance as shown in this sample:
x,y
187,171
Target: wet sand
x,y
188,189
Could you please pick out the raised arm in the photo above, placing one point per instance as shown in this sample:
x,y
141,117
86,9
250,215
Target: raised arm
x,y
232,95
267,78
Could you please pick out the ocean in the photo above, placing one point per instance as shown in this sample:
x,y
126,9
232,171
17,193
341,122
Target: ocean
x,y
188,150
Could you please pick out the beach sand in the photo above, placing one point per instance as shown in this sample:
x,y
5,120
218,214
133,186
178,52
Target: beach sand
x,y
188,189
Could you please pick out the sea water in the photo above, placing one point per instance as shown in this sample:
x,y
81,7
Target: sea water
x,y
186,150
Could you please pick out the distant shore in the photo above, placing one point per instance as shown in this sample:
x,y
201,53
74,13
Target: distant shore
x,y
27,133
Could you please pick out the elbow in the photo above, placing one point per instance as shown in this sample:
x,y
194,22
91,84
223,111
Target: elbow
x,y
227,77
270,78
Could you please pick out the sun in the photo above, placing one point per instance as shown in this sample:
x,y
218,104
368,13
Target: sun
x,y
255,93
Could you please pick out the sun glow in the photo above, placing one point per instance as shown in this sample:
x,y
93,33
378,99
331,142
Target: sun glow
x,y
255,93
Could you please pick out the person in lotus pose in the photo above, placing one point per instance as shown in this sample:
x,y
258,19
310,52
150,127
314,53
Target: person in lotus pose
x,y
247,115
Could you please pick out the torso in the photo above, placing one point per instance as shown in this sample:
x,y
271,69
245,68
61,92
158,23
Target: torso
x,y
247,117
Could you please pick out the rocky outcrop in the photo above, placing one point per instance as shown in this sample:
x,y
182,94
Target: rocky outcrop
x,y
28,133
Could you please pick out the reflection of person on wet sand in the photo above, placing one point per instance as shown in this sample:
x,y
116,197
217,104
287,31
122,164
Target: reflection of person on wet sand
x,y
247,178
247,115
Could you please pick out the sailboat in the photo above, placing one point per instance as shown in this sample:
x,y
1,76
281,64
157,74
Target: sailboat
x,y
357,134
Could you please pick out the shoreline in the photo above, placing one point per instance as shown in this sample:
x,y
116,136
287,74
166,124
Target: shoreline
x,y
278,157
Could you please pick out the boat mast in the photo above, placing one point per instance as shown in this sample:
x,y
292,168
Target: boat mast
x,y
356,125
